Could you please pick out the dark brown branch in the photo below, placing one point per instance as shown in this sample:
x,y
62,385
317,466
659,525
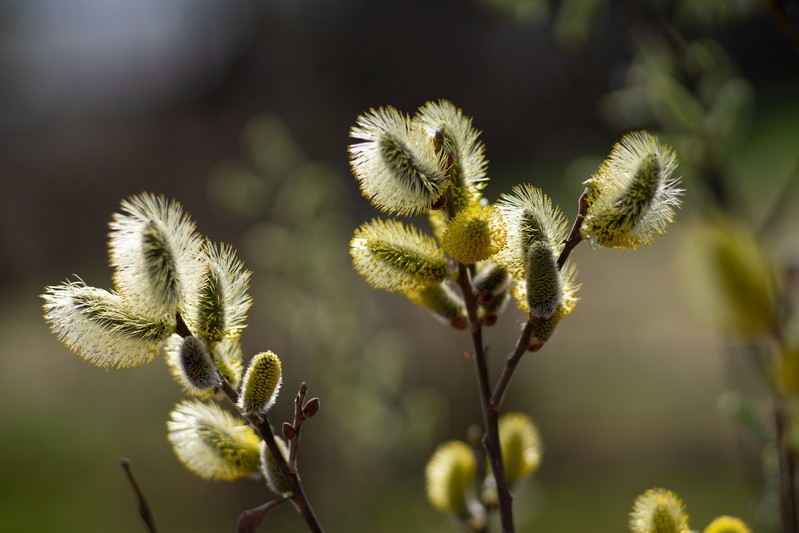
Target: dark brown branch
x,y
144,508
510,366
490,416
300,410
180,327
574,237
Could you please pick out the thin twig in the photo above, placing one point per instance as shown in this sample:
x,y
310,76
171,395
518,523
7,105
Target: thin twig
x,y
523,343
574,237
510,366
299,418
264,429
144,508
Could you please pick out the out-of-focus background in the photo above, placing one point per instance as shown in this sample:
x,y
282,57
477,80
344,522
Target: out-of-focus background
x,y
240,109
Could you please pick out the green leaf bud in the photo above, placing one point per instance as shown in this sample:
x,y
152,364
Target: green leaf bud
x,y
544,288
442,302
450,476
274,478
658,511
261,383
633,196
196,365
393,257
475,234
211,442
396,163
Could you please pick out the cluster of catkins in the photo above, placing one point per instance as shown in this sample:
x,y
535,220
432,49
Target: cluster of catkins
x,y
433,163
662,511
174,290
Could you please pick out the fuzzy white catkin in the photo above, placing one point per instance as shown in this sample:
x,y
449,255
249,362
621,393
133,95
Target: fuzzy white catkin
x,y
155,253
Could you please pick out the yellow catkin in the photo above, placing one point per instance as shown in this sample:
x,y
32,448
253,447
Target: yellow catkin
x,y
261,383
475,234
727,524
450,475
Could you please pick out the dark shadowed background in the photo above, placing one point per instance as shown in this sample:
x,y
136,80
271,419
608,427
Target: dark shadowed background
x,y
240,110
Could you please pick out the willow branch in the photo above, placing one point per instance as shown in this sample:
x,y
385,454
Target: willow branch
x,y
574,237
296,426
523,344
264,428
262,425
144,508
491,441
511,362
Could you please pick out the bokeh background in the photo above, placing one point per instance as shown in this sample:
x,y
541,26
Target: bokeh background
x,y
240,109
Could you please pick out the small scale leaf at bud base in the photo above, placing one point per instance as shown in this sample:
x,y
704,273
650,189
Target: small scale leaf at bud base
x,y
440,203
310,408
289,431
535,345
